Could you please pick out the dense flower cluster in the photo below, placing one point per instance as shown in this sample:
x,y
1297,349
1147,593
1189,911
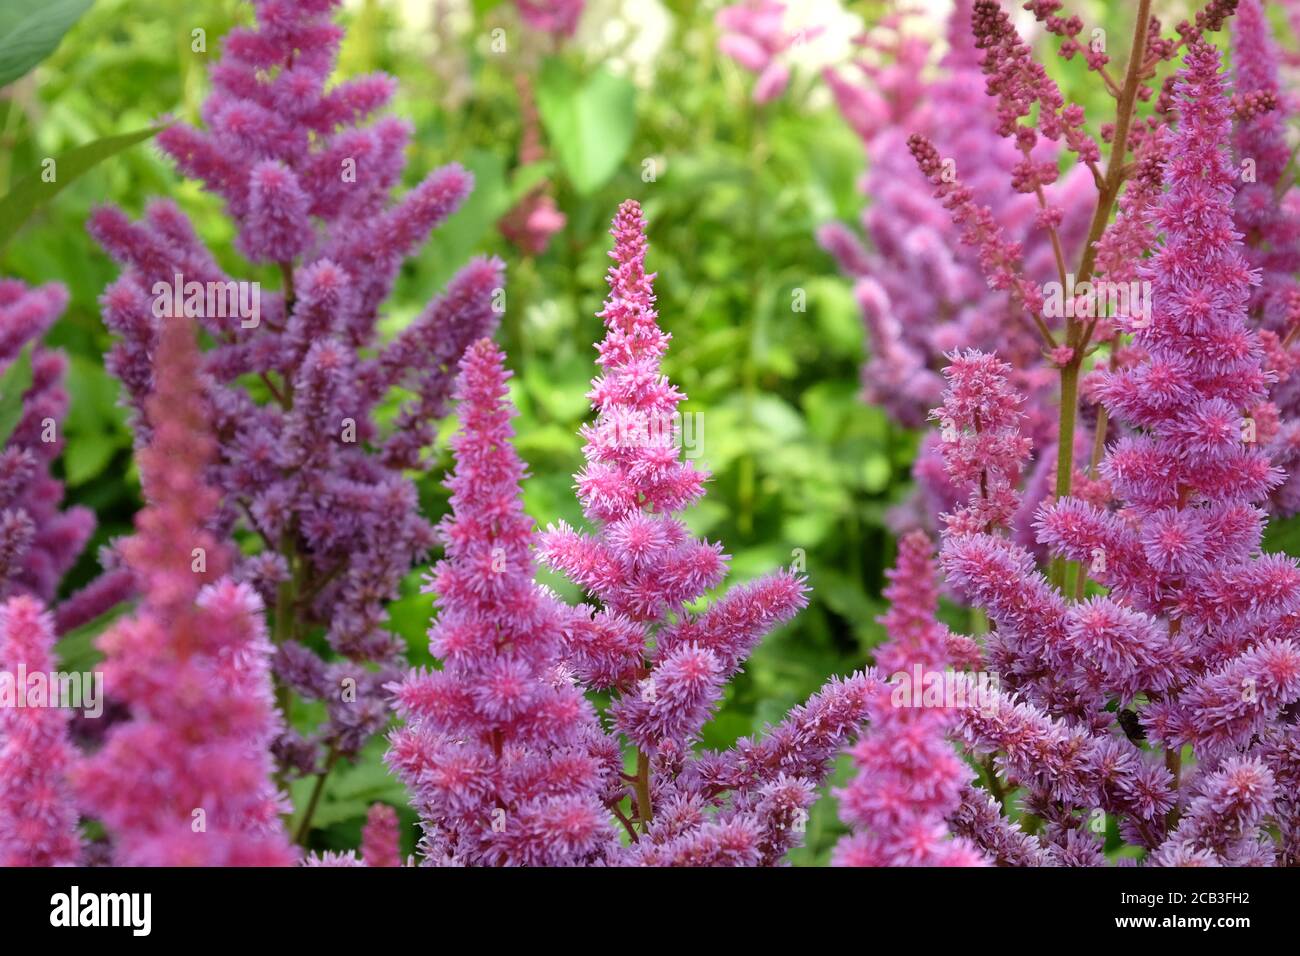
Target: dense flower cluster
x,y
186,780
909,778
303,463
1193,648
38,818
38,541
500,750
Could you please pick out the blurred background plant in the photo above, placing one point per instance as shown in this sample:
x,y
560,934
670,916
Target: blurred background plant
x,y
638,101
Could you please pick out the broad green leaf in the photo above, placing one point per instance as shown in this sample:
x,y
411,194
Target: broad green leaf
x,y
29,32
32,192
589,122
16,380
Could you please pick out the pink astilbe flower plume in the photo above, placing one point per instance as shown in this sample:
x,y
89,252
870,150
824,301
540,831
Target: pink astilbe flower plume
x,y
186,780
499,746
381,837
665,663
909,776
38,817
642,564
300,380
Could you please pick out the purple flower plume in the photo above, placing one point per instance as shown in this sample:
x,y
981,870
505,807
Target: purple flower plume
x,y
38,541
298,380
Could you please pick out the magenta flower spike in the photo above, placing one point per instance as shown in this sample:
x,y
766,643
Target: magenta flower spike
x,y
642,564
499,748
186,780
665,662
38,816
910,778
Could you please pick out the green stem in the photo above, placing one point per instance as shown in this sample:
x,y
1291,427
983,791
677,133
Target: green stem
x,y
1065,446
304,828
644,810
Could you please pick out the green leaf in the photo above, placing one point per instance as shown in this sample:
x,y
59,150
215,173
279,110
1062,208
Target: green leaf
x,y
95,426
32,191
526,178
1283,536
466,230
16,380
29,32
589,122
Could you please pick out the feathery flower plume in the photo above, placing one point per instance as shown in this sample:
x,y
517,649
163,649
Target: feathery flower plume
x,y
642,564
307,171
38,542
665,664
381,838
186,781
909,777
497,744
38,818
1194,645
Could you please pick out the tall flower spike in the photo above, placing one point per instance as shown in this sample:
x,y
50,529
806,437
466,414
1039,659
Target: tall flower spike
x,y
186,781
667,665
642,564
38,819
909,777
497,746
306,465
